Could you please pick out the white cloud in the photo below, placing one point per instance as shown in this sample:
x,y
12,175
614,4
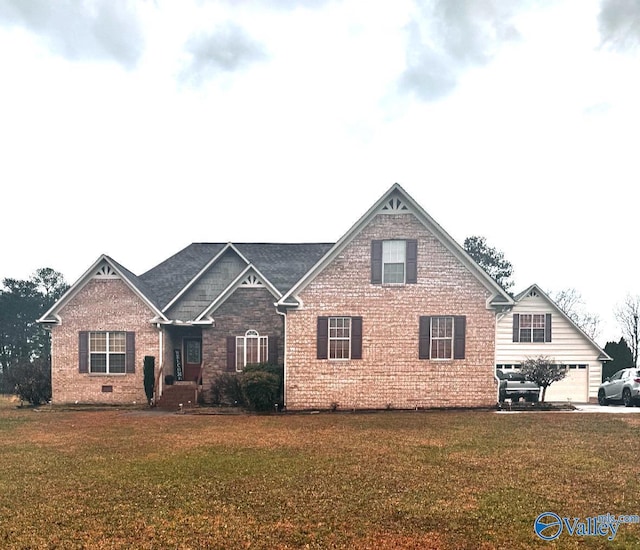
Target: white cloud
x,y
81,29
620,23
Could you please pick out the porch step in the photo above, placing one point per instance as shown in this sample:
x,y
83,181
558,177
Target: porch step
x,y
182,393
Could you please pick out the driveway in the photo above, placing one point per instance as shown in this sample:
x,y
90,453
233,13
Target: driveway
x,y
611,409
584,408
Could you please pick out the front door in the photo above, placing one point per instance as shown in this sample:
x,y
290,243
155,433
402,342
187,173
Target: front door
x,y
192,358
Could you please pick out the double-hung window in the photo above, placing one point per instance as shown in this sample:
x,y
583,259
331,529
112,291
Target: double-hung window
x,y
532,327
339,337
394,254
107,352
442,337
394,262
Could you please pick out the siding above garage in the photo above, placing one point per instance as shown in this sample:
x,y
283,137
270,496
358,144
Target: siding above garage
x,y
563,342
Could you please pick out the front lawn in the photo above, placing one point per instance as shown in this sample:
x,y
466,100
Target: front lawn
x,y
136,479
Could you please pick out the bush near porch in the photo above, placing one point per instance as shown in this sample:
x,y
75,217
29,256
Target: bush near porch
x,y
259,387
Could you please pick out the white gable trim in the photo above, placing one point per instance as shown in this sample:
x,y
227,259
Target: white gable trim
x,y
391,202
52,317
541,294
250,270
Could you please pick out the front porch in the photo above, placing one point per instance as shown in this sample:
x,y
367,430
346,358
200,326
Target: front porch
x,y
180,377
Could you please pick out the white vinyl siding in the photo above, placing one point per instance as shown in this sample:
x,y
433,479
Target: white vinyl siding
x,y
568,346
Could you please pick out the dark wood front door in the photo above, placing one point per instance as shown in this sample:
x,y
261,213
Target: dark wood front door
x,y
192,358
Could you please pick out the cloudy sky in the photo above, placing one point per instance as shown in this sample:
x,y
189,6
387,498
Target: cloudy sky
x,y
134,128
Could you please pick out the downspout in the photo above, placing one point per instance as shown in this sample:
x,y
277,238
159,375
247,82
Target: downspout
x,y
500,314
284,355
161,355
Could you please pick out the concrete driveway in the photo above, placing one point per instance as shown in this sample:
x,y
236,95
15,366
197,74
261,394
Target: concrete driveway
x,y
584,408
609,409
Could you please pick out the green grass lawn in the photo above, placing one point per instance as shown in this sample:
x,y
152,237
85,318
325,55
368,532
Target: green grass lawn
x,y
132,479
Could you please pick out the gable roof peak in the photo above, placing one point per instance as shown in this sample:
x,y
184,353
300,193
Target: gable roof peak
x,y
397,201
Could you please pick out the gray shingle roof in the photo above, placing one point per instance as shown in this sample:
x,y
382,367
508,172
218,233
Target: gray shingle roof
x,y
283,264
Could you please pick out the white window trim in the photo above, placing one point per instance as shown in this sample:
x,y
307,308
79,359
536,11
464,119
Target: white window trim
x,y
339,339
451,338
263,347
385,243
532,328
107,353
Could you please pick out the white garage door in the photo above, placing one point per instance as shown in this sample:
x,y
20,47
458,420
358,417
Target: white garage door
x,y
574,387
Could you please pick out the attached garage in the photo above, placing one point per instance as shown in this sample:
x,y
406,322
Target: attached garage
x,y
536,326
574,387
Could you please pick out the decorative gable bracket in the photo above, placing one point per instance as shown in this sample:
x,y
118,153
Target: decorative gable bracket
x,y
394,205
251,281
105,271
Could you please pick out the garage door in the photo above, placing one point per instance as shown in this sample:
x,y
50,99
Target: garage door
x,y
574,387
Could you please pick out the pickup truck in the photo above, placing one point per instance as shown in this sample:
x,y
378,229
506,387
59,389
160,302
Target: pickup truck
x,y
514,386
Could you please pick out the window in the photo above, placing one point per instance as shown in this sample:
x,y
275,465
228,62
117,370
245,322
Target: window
x,y
107,352
442,337
251,349
394,262
339,338
101,352
532,327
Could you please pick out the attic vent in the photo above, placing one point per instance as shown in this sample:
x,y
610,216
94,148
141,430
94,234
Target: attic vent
x,y
395,204
105,271
533,294
252,281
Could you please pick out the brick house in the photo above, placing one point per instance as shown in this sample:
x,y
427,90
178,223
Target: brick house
x,y
395,314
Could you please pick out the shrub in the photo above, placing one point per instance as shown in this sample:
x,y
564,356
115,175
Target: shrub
x,y
263,393
149,377
227,390
31,381
261,389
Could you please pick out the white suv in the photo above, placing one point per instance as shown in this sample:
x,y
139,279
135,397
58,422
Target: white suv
x,y
623,386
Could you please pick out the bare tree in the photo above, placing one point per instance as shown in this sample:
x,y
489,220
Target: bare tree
x,y
570,301
627,316
543,371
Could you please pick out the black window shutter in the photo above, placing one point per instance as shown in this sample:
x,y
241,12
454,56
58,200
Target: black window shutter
x,y
83,351
412,261
516,327
547,327
424,342
273,350
356,337
459,336
376,262
231,353
323,338
130,357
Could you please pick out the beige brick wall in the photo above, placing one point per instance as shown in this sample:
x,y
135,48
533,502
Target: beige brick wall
x,y
101,305
390,373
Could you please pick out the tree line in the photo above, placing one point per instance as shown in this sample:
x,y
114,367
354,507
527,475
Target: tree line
x,y
25,346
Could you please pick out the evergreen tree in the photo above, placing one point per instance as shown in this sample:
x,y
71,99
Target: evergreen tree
x,y
622,357
22,302
491,260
